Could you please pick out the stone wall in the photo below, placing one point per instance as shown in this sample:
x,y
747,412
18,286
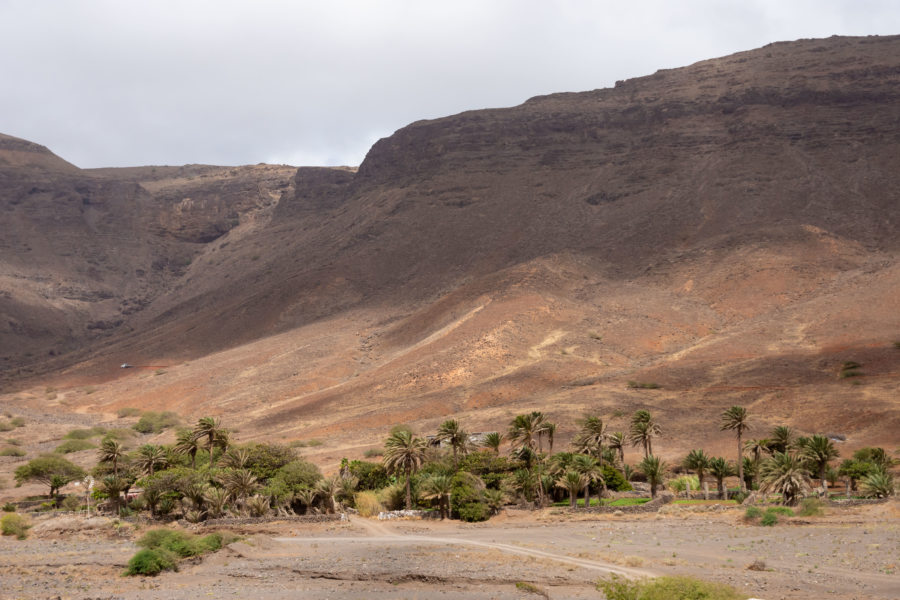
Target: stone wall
x,y
255,520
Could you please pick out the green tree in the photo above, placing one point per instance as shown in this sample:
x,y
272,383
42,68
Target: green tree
x,y
493,440
51,470
404,453
240,485
451,432
522,433
643,430
617,441
735,419
781,439
817,451
592,470
655,471
698,462
783,473
112,452
439,487
216,436
186,443
720,469
149,458
573,482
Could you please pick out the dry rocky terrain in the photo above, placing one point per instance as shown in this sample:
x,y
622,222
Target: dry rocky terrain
x,y
849,553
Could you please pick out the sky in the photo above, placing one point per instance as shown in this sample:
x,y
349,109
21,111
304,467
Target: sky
x,y
107,83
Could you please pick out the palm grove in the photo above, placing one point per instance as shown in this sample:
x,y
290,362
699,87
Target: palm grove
x,y
204,474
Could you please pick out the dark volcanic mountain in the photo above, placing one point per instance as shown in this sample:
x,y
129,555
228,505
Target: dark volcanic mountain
x,y
728,230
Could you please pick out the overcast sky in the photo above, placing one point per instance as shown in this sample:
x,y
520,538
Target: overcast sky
x,y
119,83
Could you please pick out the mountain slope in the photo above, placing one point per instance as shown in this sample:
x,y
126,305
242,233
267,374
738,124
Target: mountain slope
x,y
728,230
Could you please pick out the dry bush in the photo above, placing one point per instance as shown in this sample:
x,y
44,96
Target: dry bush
x,y
367,504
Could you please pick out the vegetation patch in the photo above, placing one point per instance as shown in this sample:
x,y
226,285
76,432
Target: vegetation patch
x,y
14,524
643,385
12,451
156,422
666,588
162,548
530,588
70,446
128,411
84,434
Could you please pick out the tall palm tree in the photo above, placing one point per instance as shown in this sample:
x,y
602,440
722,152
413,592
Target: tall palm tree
x,y
150,457
758,449
111,451
404,453
550,430
493,440
113,486
522,433
437,487
187,443
307,497
617,442
698,462
458,438
782,439
212,430
784,474
590,437
593,471
817,451
720,469
643,430
540,428
328,489
735,419
655,470
573,482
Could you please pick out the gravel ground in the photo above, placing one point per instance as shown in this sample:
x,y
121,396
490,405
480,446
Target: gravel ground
x,y
848,554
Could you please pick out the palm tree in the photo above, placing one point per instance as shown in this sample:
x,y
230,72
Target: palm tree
x,y
111,451
236,458
212,430
456,436
879,484
307,497
550,430
215,500
735,419
757,449
437,487
698,462
817,451
783,473
240,484
113,486
720,469
593,471
404,453
149,457
573,482
781,439
493,440
540,428
521,435
655,470
590,437
328,489
187,443
617,442
643,430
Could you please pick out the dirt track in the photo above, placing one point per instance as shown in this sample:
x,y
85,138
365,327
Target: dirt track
x,y
849,553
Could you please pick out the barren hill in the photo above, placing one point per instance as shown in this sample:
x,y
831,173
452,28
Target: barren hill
x,y
727,230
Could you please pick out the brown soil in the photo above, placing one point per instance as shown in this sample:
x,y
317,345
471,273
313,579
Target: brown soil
x,y
848,553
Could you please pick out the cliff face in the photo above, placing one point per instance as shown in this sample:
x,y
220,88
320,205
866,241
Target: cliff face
x,y
719,226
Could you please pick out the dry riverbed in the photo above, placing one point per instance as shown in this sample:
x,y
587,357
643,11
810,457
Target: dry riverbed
x,y
848,553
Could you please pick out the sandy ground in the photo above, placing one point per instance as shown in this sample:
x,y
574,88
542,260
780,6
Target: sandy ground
x,y
847,554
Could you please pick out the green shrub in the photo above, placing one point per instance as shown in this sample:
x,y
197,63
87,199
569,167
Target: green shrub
x,y
151,562
8,507
84,434
780,510
530,588
371,475
643,385
373,452
753,512
177,542
128,411
769,519
666,588
71,503
154,422
466,500
6,426
615,480
810,507
10,451
17,422
14,441
74,446
897,345
14,524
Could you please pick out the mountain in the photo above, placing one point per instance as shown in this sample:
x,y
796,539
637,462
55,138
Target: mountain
x,y
727,231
